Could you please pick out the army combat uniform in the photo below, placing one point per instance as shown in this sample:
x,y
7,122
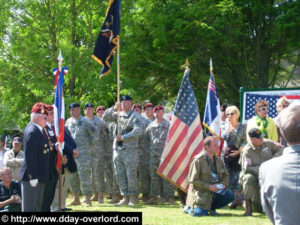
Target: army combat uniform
x,y
97,149
125,156
157,134
251,159
82,132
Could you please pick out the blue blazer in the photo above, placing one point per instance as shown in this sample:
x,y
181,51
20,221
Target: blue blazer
x,y
37,163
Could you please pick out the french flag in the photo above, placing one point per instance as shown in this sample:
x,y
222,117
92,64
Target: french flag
x,y
59,108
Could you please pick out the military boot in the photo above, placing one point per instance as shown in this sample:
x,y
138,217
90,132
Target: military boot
x,y
94,197
237,201
124,201
171,201
248,208
133,200
115,199
145,197
76,200
87,201
100,197
152,201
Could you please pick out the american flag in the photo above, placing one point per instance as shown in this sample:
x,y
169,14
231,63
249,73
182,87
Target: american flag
x,y
252,97
185,137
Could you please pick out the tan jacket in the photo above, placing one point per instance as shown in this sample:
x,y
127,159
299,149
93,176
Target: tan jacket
x,y
14,162
252,158
200,180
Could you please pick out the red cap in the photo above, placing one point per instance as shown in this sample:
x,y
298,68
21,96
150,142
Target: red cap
x,y
100,107
137,105
158,107
49,107
148,105
39,108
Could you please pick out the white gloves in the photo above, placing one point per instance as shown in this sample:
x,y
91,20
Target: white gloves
x,y
34,182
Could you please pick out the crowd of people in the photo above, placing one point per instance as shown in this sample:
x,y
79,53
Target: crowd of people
x,y
101,159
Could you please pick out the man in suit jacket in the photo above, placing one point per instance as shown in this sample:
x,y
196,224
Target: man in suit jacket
x,y
35,170
279,177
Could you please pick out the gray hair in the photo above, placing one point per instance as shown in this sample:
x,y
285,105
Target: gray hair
x,y
289,124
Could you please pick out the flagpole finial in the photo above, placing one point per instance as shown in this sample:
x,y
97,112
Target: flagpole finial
x,y
187,64
60,59
210,63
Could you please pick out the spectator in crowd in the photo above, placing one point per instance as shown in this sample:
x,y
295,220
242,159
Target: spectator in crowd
x,y
235,140
224,122
281,104
148,109
10,194
255,152
35,170
15,157
126,156
2,152
208,180
156,133
261,121
279,177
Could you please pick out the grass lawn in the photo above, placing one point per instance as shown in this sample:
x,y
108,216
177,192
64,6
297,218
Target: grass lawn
x,y
165,214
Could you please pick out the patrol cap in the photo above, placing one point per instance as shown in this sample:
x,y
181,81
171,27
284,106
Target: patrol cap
x,y
148,105
89,105
39,108
137,105
126,98
158,107
74,105
255,133
100,107
17,139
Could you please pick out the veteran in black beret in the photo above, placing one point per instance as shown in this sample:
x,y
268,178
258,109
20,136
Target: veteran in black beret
x,y
35,170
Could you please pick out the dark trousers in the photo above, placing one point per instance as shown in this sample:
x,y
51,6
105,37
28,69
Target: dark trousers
x,y
49,193
32,197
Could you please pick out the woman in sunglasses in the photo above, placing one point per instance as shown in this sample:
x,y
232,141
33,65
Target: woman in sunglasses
x,y
261,121
235,139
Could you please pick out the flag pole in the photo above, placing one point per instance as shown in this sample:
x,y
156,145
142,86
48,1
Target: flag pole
x,y
118,82
60,60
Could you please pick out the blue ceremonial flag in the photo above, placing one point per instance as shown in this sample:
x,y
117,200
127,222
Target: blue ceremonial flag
x,y
212,113
109,34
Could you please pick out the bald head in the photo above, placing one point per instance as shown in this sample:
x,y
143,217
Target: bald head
x,y
289,124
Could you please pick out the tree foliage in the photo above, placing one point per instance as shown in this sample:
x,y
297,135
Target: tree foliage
x,y
252,43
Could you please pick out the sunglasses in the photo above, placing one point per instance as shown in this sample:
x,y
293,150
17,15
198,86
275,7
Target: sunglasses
x,y
264,108
230,114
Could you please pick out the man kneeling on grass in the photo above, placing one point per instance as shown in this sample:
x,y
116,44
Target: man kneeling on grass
x,y
208,179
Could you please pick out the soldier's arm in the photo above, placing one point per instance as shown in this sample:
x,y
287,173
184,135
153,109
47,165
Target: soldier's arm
x,y
10,162
246,163
194,178
110,115
277,149
135,132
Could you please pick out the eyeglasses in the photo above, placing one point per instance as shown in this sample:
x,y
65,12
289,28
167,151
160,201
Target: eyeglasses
x,y
230,114
264,109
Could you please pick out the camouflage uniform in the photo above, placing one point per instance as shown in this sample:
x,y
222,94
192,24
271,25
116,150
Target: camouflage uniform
x,y
157,134
97,149
125,156
251,159
82,132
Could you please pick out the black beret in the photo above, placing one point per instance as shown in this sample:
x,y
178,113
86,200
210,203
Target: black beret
x,y
74,105
89,105
126,98
255,133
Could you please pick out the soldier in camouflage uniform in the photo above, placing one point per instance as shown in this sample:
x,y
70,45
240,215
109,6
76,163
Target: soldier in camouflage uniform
x,y
98,153
148,109
257,151
157,132
144,156
125,146
82,132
